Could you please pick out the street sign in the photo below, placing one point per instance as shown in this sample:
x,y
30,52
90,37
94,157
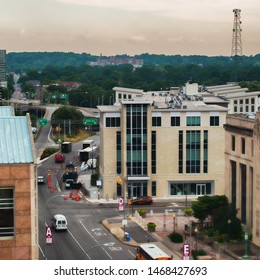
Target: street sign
x,y
90,121
48,235
42,122
186,251
121,203
63,96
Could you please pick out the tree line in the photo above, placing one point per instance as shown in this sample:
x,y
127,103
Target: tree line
x,y
96,83
24,61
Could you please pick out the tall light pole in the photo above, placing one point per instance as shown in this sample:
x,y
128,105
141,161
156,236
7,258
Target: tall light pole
x,y
246,246
109,244
190,230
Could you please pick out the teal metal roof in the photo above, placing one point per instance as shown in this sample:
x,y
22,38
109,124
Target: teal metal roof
x,y
15,140
6,111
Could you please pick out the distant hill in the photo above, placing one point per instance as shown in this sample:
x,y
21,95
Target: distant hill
x,y
23,61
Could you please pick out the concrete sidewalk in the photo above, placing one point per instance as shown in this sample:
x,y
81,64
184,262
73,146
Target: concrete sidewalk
x,y
137,229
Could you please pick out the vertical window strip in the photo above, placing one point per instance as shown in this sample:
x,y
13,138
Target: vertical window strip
x,y
192,151
180,151
118,153
205,150
153,156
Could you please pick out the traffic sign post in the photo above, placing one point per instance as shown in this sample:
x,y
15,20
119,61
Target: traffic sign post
x,y
186,252
90,121
48,235
121,203
42,122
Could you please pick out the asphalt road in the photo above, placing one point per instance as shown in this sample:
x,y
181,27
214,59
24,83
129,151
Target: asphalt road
x,y
85,233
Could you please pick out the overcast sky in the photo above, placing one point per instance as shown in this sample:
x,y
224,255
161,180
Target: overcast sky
x,y
110,27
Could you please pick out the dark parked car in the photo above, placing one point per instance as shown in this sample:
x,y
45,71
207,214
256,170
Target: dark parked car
x,y
141,200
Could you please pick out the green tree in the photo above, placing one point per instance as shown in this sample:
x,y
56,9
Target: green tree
x,y
68,117
222,215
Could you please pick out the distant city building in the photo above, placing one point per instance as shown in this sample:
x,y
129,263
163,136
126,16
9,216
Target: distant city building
x,y
162,143
240,100
2,66
69,85
117,61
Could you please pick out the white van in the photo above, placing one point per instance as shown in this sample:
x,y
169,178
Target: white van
x,y
59,222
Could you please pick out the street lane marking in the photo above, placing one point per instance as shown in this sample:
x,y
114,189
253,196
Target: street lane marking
x,y
85,253
95,239
131,253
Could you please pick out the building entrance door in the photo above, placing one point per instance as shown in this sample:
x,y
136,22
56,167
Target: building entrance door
x,y
200,189
137,189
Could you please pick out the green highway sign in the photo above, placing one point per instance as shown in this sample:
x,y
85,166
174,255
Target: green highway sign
x,y
42,122
63,96
90,121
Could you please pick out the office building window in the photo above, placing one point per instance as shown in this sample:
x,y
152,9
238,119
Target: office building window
x,y
241,105
113,122
214,121
193,121
243,145
175,121
233,183
118,153
192,151
6,212
233,142
153,152
180,151
153,188
252,104
243,192
156,121
205,151
235,106
192,188
136,139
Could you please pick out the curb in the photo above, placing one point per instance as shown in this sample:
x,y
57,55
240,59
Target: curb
x,y
118,233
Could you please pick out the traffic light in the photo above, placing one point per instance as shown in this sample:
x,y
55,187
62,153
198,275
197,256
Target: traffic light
x,y
119,180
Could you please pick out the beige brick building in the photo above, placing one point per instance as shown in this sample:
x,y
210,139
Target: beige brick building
x,y
18,189
164,144
242,152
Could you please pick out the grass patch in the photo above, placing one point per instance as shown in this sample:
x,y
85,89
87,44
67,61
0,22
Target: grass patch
x,y
48,152
74,138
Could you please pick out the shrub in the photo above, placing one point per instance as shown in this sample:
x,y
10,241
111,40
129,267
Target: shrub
x,y
142,212
188,211
176,237
197,253
151,225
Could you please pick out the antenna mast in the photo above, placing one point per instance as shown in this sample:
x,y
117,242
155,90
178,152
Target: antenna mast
x,y
236,38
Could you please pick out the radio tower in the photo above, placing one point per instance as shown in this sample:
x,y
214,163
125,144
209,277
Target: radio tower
x,y
236,38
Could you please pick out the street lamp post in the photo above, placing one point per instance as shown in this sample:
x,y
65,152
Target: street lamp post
x,y
109,244
246,246
173,217
196,244
190,230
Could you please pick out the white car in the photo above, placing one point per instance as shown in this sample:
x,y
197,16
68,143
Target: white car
x,y
59,222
